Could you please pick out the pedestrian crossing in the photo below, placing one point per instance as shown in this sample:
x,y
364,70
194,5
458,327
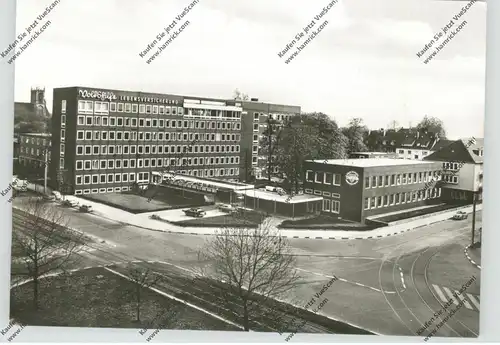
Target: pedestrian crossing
x,y
446,294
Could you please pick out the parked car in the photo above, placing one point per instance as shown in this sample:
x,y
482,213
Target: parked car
x,y
460,215
226,207
85,208
194,212
69,203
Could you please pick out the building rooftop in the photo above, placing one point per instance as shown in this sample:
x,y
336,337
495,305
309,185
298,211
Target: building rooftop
x,y
286,199
366,163
44,135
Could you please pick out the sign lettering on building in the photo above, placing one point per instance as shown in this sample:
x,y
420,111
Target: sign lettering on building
x,y
102,95
352,178
148,99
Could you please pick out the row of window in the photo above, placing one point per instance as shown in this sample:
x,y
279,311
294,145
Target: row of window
x,y
322,193
104,108
155,136
97,164
151,149
323,177
102,190
38,141
401,198
409,152
332,206
32,150
399,179
144,176
154,123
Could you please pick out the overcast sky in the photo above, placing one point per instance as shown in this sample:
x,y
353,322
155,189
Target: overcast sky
x,y
363,64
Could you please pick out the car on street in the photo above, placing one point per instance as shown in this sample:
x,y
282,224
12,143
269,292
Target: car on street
x,y
69,203
85,209
226,208
194,212
460,215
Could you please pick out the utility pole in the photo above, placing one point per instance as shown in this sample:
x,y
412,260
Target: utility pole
x,y
473,218
45,170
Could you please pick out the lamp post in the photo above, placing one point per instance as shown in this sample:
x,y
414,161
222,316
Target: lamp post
x,y
474,201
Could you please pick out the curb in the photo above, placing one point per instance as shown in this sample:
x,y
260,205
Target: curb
x,y
469,258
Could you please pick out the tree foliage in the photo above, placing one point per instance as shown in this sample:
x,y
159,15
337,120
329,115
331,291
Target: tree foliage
x,y
240,96
432,125
303,137
355,133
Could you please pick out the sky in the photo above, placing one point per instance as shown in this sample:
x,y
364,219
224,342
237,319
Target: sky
x,y
362,64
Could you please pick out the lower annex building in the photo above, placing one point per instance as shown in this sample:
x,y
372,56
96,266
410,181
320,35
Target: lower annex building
x,y
357,189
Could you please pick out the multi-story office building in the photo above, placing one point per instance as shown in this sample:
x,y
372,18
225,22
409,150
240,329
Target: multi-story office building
x,y
355,189
34,153
462,170
107,140
257,117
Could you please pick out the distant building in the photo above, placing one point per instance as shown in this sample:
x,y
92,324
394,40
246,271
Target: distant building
x,y
407,143
34,153
356,189
32,116
462,170
354,155
420,145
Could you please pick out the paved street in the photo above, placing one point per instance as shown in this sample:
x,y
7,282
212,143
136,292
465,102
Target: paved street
x,y
390,285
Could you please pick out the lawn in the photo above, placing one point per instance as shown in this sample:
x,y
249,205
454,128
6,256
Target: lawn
x,y
324,222
415,213
137,203
250,219
98,298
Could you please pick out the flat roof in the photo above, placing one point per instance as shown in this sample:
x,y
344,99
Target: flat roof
x,y
203,181
375,162
45,135
286,199
373,153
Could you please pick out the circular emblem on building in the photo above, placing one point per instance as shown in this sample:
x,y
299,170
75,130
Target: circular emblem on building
x,y
352,178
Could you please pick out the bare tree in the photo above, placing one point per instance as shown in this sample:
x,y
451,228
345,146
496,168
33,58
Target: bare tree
x,y
44,242
142,278
254,264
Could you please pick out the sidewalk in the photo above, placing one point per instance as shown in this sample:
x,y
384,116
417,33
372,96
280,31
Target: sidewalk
x,y
143,221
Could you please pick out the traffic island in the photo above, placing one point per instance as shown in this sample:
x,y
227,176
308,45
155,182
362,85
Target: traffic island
x,y
95,297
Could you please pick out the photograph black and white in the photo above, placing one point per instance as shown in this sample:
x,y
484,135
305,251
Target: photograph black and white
x,y
292,168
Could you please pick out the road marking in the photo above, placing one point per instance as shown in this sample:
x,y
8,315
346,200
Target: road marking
x,y
473,300
450,295
462,298
440,293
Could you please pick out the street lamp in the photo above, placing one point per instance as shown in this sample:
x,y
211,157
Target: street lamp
x,y
474,201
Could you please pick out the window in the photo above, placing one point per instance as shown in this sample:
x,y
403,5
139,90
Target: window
x,y
367,203
85,107
393,180
387,180
335,206
128,107
381,181
328,179
120,107
373,202
63,106
374,182
81,120
134,108
63,134
336,179
309,175
391,199
101,108
367,183
379,202
318,177
326,205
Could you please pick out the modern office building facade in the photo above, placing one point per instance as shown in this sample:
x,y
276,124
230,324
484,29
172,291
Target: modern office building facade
x,y
107,140
357,189
257,117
